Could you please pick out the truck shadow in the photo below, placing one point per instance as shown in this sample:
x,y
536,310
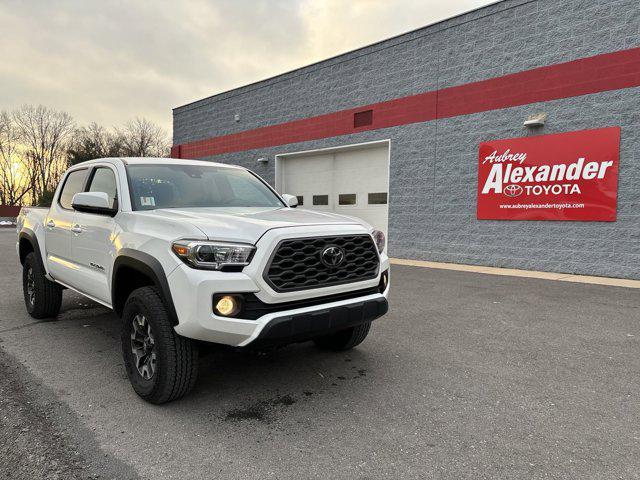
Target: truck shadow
x,y
261,385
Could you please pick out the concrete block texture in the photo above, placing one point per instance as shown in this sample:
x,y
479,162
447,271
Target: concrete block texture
x,y
433,171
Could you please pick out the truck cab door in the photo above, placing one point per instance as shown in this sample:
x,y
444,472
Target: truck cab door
x,y
92,239
58,224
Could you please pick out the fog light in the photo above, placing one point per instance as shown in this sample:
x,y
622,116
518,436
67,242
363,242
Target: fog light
x,y
227,306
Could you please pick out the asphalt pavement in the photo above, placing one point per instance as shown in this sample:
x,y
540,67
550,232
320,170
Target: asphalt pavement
x,y
468,376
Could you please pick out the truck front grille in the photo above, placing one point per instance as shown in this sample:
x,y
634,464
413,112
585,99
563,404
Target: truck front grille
x,y
298,264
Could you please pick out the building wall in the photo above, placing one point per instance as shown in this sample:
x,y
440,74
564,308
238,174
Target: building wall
x,y
433,172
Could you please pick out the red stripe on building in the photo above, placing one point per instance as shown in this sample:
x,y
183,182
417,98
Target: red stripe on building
x,y
609,71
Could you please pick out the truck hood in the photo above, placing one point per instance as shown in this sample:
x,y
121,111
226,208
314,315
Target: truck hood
x,y
241,224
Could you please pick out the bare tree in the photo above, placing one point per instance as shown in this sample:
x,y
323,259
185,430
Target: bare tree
x,y
143,138
38,143
14,184
44,134
94,141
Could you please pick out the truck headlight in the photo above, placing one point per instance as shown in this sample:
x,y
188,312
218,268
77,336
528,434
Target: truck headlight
x,y
213,255
378,236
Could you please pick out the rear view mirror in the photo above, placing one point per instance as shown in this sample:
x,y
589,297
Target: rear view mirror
x,y
291,200
93,202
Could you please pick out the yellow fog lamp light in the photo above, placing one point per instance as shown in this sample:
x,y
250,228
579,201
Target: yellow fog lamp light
x,y
227,305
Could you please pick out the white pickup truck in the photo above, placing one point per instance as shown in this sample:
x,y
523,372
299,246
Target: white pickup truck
x,y
192,251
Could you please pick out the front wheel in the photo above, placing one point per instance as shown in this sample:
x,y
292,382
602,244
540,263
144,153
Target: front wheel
x,y
344,339
161,365
42,297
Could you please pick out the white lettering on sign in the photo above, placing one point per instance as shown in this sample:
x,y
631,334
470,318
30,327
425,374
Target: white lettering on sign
x,y
498,177
557,189
507,156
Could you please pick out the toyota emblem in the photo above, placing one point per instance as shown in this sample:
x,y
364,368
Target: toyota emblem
x,y
332,256
513,190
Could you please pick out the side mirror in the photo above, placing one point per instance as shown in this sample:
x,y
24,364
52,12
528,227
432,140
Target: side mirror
x,y
291,200
93,202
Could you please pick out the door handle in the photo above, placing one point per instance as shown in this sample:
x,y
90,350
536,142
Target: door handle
x,y
51,224
76,228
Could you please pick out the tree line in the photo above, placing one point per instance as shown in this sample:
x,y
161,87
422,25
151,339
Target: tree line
x,y
37,145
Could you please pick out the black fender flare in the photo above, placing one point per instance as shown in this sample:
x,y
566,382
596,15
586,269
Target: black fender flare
x,y
151,268
30,236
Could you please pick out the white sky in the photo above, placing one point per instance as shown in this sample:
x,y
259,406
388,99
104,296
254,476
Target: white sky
x,y
109,61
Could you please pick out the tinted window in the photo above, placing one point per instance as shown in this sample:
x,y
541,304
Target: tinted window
x,y
186,186
104,180
321,199
347,199
378,198
72,185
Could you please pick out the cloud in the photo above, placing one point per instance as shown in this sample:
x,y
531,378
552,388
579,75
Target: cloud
x,y
111,61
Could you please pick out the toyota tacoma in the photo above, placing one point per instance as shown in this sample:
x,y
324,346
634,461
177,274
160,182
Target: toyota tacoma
x,y
187,252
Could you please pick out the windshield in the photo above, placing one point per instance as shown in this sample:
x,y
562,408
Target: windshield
x,y
184,186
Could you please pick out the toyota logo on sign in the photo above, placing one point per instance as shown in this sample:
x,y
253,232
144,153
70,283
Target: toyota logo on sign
x,y
332,256
513,190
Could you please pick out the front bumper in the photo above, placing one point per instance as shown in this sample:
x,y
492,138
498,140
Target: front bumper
x,y
298,327
197,320
193,290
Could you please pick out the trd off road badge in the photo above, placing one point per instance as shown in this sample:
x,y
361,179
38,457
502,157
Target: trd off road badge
x,y
565,176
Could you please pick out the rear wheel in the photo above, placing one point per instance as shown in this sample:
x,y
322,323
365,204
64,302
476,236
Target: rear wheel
x,y
42,297
344,339
161,365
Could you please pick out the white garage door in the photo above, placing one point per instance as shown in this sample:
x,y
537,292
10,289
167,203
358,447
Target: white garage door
x,y
351,181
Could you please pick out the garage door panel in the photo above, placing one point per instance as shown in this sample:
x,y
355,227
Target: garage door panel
x,y
341,172
308,177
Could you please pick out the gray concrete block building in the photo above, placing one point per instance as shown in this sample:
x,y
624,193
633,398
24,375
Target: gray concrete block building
x,y
390,132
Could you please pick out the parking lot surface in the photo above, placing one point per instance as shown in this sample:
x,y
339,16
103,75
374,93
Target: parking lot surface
x,y
468,376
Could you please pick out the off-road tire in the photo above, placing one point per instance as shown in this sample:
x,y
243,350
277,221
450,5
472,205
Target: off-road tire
x,y
344,339
47,295
176,366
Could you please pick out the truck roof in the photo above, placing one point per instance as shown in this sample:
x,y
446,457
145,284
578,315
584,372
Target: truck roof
x,y
158,161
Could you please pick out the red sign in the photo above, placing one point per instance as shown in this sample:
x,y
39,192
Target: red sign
x,y
565,176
